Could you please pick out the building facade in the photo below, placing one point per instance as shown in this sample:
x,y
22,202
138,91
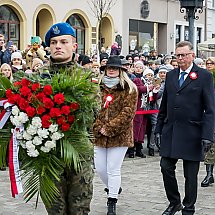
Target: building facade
x,y
140,25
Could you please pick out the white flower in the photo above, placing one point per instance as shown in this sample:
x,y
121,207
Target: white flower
x,y
50,144
15,121
23,117
37,140
53,128
32,130
45,149
36,121
43,133
29,145
23,144
56,136
15,110
33,153
27,136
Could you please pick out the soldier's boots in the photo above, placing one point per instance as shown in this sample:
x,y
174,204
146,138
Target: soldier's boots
x,y
209,179
111,204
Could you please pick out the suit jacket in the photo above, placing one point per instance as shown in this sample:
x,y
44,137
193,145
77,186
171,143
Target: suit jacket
x,y
186,115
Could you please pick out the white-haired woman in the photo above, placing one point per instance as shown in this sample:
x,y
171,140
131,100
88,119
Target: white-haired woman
x,y
113,128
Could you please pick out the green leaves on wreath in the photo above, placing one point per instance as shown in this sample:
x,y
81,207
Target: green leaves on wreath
x,y
4,85
41,175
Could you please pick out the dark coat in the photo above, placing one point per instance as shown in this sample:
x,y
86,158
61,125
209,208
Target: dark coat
x,y
117,119
186,115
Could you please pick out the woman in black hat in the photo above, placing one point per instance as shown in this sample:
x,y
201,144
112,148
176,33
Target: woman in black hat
x,y
113,128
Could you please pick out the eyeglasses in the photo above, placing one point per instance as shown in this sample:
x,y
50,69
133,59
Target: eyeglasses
x,y
112,68
182,55
209,63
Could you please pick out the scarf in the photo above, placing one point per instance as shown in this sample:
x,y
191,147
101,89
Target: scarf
x,y
110,82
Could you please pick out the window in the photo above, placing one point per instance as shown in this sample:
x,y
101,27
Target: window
x,y
9,25
76,22
178,34
141,36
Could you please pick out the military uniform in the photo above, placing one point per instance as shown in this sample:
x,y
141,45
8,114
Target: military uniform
x,y
76,188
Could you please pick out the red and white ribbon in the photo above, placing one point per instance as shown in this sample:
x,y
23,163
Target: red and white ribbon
x,y
14,170
5,114
151,96
108,99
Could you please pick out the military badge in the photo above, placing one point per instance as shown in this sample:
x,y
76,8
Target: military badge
x,y
56,30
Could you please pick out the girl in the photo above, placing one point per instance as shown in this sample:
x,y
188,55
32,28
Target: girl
x,y
6,71
16,62
113,128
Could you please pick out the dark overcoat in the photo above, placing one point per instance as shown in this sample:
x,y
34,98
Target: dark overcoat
x,y
186,115
117,118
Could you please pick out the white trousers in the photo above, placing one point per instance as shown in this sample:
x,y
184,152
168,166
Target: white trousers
x,y
108,162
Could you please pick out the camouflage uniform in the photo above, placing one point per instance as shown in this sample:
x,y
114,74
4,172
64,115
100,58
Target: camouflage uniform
x,y
76,189
210,156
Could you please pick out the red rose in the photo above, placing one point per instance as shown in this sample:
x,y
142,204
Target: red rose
x,y
65,109
23,104
48,103
59,98
65,127
30,97
71,119
17,84
17,98
61,120
40,96
35,86
30,111
40,110
48,90
46,121
55,112
24,91
74,106
11,99
25,82
9,93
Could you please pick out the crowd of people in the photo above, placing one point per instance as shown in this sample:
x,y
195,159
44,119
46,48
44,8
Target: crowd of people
x,y
133,88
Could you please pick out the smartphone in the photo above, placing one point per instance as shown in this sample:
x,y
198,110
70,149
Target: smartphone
x,y
35,39
9,44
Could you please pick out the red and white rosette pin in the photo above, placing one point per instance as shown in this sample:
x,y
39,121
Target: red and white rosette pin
x,y
108,98
193,75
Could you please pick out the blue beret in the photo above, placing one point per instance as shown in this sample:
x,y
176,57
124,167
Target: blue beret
x,y
59,29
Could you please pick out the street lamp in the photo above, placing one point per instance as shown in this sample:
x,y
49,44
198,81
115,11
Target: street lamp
x,y
191,7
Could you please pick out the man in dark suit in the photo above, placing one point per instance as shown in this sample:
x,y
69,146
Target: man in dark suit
x,y
185,127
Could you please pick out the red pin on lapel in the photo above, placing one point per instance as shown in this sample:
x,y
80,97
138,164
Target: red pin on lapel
x,y
108,99
193,75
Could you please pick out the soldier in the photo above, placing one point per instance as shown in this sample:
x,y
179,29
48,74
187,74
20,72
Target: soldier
x,y
75,188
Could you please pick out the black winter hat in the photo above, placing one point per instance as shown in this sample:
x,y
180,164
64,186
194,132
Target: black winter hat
x,y
113,61
86,60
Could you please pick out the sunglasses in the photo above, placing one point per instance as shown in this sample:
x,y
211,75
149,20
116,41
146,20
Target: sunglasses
x,y
112,67
209,63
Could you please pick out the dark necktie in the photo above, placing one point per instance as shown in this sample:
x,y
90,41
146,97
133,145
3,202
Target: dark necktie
x,y
181,79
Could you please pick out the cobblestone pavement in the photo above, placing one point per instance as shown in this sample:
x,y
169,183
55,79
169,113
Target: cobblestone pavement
x,y
143,192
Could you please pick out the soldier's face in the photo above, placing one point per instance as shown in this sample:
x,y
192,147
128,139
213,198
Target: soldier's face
x,y
62,47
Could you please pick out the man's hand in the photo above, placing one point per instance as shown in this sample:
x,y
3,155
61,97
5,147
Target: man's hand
x,y
158,140
206,144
